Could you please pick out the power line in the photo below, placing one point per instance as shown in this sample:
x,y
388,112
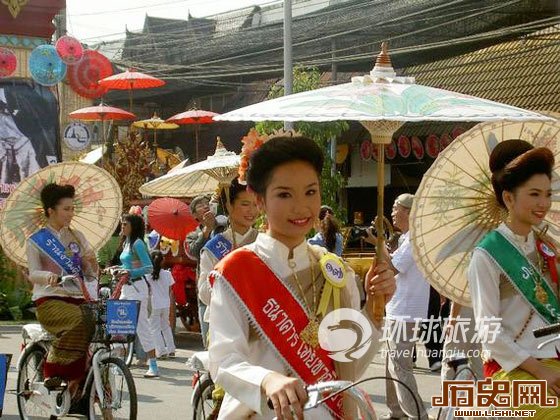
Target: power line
x,y
394,52
205,65
212,17
277,28
106,12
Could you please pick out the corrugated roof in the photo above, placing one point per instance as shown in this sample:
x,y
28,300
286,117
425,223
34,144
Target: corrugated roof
x,y
523,73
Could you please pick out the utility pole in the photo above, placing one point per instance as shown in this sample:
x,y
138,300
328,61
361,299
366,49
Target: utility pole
x,y
288,67
60,23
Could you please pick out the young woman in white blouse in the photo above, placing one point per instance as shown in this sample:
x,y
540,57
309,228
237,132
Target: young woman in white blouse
x,y
242,211
513,275
267,298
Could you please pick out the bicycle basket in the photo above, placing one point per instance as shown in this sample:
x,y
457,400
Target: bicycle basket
x,y
96,313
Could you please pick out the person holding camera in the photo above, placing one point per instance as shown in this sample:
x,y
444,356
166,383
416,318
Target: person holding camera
x,y
407,308
328,233
196,240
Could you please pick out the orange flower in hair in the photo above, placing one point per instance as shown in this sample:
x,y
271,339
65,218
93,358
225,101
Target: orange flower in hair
x,y
251,142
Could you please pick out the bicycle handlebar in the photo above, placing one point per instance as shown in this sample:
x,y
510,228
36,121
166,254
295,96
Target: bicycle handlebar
x,y
115,271
316,391
548,330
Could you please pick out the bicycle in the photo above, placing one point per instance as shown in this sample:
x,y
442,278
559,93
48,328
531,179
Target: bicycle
x,y
202,403
107,391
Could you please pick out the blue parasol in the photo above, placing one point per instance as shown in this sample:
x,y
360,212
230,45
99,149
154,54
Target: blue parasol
x,y
45,65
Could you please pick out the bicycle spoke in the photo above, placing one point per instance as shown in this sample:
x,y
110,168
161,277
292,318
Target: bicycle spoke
x,y
119,394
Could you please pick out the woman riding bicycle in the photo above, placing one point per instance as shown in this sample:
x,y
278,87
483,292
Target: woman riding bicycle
x,y
278,282
54,251
513,272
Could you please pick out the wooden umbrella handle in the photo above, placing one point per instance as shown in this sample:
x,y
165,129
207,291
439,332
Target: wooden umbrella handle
x,y
379,300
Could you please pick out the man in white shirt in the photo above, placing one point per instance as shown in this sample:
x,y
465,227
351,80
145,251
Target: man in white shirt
x,y
404,315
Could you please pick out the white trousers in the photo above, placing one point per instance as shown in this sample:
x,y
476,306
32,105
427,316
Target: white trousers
x,y
161,331
139,291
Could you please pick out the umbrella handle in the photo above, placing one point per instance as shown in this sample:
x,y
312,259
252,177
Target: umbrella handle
x,y
378,303
379,300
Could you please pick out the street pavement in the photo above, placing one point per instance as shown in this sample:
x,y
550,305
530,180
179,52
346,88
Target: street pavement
x,y
168,397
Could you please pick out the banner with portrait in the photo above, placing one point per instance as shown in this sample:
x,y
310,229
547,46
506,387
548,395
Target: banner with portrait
x,y
29,132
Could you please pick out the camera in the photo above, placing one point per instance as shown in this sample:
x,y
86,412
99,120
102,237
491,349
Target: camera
x,y
358,232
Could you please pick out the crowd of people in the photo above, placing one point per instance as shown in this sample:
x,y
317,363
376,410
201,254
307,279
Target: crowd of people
x,y
262,295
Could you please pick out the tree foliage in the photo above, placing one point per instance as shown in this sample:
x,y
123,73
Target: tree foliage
x,y
322,132
15,295
130,165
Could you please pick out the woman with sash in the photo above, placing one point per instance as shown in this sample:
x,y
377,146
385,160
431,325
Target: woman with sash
x,y
136,259
513,274
269,297
241,208
54,251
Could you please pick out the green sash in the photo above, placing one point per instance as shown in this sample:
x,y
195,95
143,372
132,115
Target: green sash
x,y
524,276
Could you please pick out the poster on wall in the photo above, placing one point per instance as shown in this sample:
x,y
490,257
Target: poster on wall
x,y
29,132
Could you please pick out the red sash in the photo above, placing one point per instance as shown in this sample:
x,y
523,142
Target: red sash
x,y
278,316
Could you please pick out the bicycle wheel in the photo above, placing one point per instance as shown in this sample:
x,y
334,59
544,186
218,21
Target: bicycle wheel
x,y
129,353
29,375
203,405
119,392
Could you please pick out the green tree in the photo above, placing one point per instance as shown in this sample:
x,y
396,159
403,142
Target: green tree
x,y
322,132
15,295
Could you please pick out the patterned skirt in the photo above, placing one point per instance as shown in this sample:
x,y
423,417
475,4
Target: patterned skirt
x,y
542,413
66,322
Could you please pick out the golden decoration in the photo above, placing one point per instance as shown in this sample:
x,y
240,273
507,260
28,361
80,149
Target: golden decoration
x,y
541,294
310,333
15,6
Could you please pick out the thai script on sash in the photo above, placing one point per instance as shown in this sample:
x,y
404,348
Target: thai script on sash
x,y
64,260
219,246
49,245
285,327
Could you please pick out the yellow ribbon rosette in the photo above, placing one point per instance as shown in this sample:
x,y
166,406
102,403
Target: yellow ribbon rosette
x,y
334,272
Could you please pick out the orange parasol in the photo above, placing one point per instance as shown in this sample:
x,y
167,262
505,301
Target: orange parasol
x,y
130,80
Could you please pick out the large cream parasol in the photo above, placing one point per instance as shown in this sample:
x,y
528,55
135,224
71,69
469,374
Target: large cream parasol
x,y
200,178
382,102
98,205
455,205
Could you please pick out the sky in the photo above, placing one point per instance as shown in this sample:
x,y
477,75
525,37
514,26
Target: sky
x,y
91,20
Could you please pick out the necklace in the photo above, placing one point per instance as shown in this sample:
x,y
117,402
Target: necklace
x,y
310,334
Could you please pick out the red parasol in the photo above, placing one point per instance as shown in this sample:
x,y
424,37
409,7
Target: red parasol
x,y
69,49
101,113
171,218
84,75
130,80
196,117
8,62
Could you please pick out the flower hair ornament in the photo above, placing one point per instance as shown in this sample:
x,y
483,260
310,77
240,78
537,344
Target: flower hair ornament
x,y
251,143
